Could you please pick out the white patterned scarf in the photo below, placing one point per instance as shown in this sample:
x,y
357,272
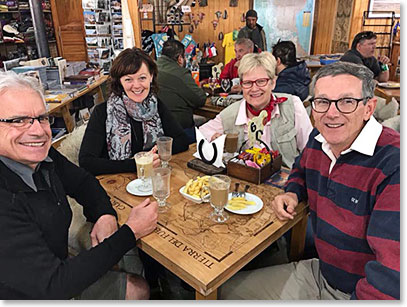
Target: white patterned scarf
x,y
118,128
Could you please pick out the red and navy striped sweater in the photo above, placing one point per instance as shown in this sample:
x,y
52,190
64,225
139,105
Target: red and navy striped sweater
x,y
355,215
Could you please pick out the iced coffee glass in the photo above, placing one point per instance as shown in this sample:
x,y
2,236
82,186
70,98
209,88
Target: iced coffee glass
x,y
218,186
144,162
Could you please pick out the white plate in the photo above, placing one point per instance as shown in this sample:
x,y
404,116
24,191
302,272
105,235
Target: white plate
x,y
250,209
190,197
132,188
236,96
389,85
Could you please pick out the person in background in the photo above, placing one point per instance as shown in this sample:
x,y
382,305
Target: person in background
x,y
254,31
177,89
362,52
243,46
35,214
131,120
349,173
288,125
292,77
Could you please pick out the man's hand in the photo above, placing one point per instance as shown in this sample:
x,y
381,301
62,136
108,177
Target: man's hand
x,y
104,227
284,205
384,59
143,218
156,157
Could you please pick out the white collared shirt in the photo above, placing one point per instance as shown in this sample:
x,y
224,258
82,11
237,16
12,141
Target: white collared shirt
x,y
365,143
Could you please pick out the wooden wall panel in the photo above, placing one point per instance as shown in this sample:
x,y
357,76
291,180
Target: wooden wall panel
x,y
324,26
69,29
205,31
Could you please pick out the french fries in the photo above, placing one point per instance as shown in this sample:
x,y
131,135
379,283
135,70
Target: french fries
x,y
194,187
239,203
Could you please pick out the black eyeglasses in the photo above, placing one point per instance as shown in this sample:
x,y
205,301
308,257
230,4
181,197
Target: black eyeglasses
x,y
262,82
26,121
344,105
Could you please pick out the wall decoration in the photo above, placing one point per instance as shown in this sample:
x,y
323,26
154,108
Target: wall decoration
x,y
378,8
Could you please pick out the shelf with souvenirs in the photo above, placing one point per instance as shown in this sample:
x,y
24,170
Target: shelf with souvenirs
x,y
103,29
17,33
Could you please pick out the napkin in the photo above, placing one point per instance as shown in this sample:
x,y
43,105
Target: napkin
x,y
209,152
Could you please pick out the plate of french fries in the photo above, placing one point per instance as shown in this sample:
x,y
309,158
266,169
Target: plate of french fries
x,y
244,205
192,190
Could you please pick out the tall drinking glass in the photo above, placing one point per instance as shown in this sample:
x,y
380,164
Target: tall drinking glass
x,y
144,162
161,187
219,191
164,144
212,84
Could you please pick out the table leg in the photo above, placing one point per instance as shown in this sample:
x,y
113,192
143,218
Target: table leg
x,y
70,125
298,239
212,296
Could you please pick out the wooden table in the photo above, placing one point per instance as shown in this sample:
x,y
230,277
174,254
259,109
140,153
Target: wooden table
x,y
202,253
208,110
62,108
388,93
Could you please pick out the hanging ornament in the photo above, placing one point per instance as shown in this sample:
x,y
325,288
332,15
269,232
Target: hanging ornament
x,y
191,29
225,14
220,36
233,3
243,18
203,2
218,14
201,16
214,24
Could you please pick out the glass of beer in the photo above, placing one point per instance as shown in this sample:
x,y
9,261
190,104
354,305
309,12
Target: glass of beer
x,y
144,162
219,193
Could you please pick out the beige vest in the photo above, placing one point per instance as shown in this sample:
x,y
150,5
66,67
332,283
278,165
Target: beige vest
x,y
282,130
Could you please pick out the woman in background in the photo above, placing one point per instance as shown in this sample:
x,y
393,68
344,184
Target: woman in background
x,y
131,120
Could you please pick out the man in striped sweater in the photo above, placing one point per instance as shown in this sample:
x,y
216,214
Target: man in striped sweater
x,y
349,173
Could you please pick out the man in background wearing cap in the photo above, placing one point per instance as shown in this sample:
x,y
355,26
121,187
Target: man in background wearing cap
x,y
362,52
254,31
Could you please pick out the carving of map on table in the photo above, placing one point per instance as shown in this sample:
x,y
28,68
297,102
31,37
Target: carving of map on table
x,y
217,240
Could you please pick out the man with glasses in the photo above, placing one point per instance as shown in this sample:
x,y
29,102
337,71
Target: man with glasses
x,y
349,173
362,52
35,214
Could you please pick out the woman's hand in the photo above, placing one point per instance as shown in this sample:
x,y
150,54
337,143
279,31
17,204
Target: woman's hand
x,y
215,136
156,157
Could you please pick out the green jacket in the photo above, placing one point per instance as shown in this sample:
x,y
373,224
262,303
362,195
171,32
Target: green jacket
x,y
178,91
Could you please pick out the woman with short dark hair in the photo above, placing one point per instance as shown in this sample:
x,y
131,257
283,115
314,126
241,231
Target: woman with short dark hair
x,y
131,120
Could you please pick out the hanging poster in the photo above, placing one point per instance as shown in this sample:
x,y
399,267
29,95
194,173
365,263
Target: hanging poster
x,y
378,8
287,20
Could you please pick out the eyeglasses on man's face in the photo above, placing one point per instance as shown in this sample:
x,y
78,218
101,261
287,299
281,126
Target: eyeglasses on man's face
x,y
344,105
262,82
26,121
